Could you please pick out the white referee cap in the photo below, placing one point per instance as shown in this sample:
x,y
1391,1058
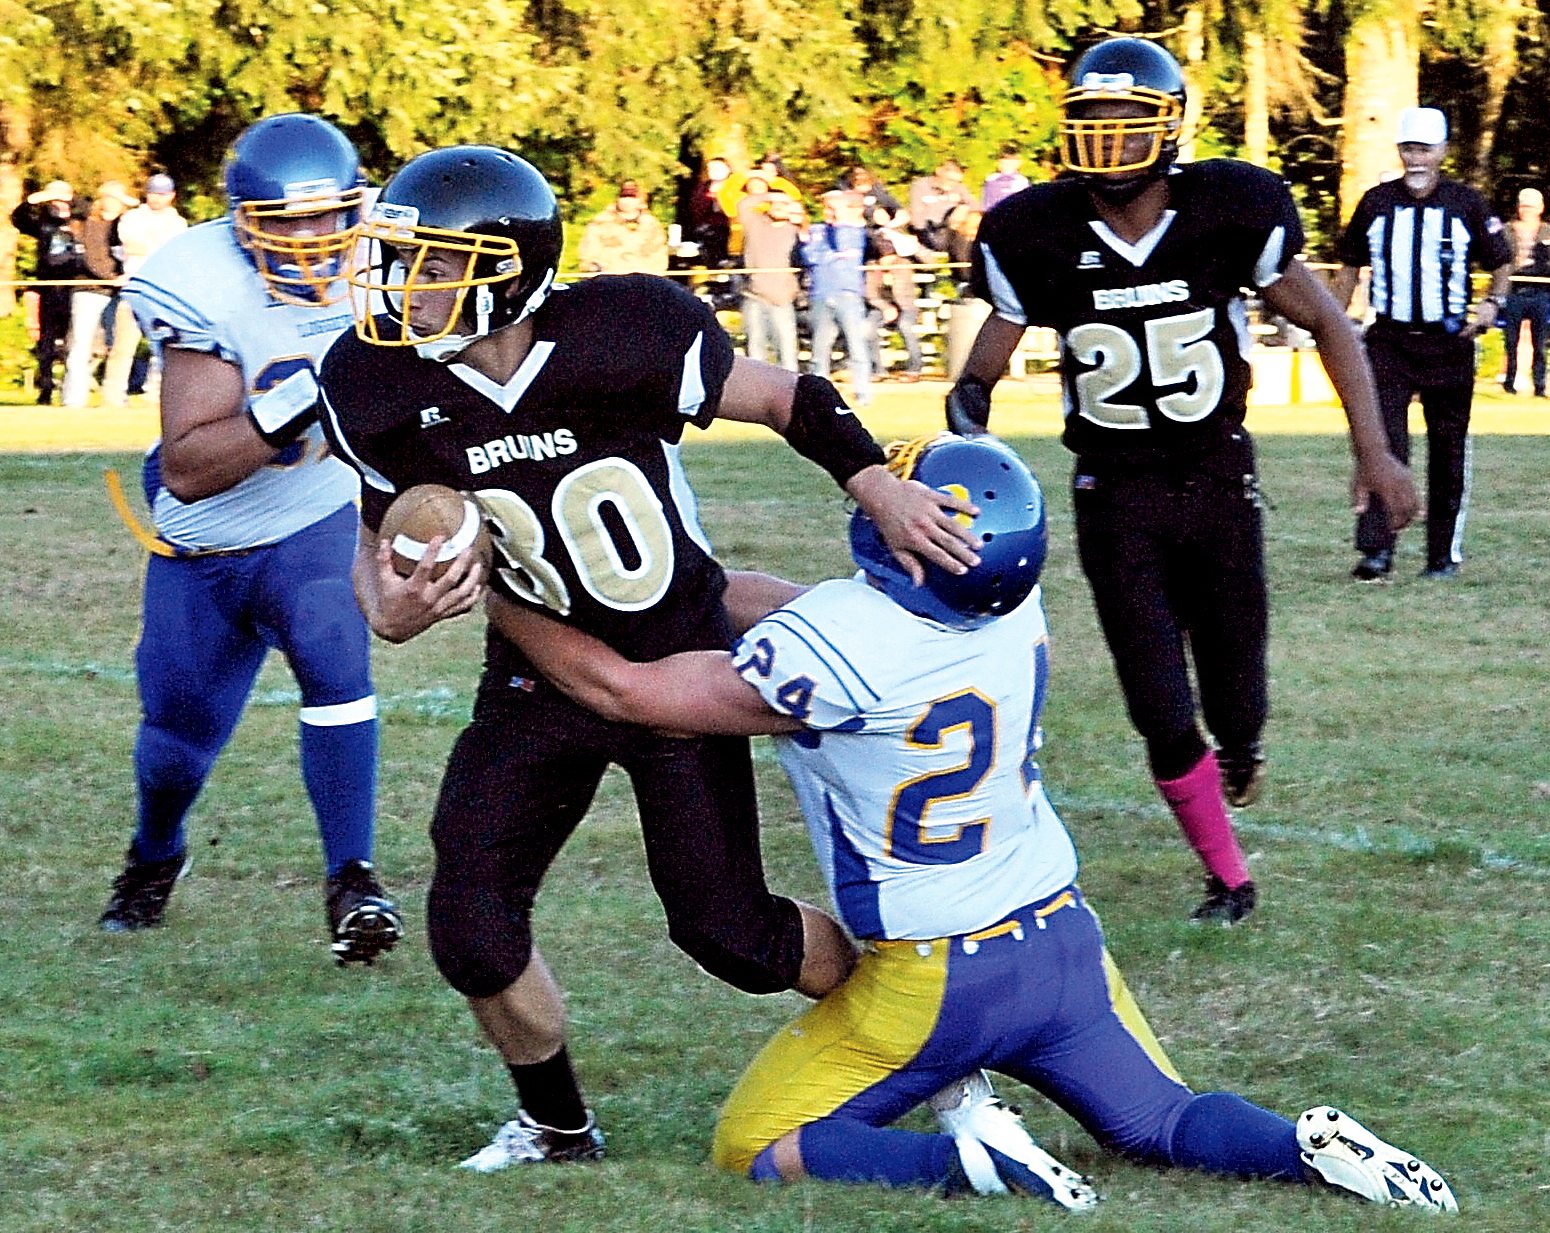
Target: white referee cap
x,y
1425,125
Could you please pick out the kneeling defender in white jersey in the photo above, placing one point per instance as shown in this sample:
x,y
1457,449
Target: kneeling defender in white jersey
x,y
908,723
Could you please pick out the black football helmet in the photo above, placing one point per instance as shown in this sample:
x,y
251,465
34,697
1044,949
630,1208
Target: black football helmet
x,y
467,218
287,168
1011,524
1123,70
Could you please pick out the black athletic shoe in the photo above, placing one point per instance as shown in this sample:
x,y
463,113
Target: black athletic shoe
x,y
1375,566
1243,775
1449,570
141,892
365,922
1223,904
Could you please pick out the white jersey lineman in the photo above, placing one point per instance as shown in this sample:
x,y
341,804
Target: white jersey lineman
x,y
200,292
918,827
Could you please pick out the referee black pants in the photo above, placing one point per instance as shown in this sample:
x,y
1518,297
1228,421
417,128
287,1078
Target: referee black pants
x,y
1440,370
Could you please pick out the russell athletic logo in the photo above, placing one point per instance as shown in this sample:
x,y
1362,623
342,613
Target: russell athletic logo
x,y
1173,291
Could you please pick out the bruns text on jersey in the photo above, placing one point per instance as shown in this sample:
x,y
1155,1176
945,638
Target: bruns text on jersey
x,y
519,447
1174,291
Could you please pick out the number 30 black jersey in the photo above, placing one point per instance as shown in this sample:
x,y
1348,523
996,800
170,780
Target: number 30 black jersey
x,y
575,458
1154,335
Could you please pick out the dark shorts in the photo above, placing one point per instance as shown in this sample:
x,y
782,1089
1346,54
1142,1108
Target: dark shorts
x,y
521,777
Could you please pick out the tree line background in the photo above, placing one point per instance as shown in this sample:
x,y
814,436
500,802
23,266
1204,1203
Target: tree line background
x,y
595,91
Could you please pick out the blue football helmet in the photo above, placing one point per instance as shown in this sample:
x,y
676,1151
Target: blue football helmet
x,y
1011,524
294,185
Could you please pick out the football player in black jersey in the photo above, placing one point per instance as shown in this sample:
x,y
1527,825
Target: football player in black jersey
x,y
1140,265
562,409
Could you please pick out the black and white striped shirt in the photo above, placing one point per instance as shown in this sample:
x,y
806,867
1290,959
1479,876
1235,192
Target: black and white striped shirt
x,y
1420,251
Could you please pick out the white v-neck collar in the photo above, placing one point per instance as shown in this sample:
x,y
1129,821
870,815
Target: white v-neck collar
x,y
506,396
1143,248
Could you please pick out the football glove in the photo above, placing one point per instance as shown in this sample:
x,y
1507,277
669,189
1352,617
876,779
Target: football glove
x,y
968,407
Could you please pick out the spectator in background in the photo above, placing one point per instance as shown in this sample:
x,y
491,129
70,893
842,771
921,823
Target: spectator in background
x,y
774,225
765,178
835,252
140,232
88,305
938,202
46,216
624,238
879,207
891,300
1006,179
1530,239
709,226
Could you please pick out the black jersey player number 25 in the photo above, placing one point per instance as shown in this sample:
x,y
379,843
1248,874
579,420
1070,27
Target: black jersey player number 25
x,y
1173,350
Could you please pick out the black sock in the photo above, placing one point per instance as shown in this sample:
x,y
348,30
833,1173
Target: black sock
x,y
549,1093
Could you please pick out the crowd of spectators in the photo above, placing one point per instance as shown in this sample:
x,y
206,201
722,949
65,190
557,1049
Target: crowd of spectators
x,y
86,252
847,273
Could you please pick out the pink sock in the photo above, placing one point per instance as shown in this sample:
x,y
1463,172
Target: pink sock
x,y
1197,802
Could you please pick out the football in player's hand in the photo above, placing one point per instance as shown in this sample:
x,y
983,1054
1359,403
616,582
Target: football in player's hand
x,y
421,513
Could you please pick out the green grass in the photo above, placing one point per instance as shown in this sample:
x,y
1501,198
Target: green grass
x,y
220,1073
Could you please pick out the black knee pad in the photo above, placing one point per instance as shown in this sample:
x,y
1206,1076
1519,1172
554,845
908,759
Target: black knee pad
x,y
752,951
480,939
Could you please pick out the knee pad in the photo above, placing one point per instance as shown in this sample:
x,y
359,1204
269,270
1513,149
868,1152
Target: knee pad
x,y
480,940
755,952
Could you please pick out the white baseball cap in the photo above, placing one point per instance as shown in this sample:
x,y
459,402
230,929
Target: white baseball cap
x,y
1424,125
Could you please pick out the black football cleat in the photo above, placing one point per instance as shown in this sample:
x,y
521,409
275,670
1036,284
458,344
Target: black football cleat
x,y
1243,775
141,892
364,921
1224,905
1375,566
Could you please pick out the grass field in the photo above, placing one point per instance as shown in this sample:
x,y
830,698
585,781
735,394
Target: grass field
x,y
220,1073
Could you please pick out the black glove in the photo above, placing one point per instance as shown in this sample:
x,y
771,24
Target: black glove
x,y
968,407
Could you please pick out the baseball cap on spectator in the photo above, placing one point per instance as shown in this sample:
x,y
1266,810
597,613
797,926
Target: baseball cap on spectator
x,y
1423,125
1531,197
160,183
114,190
54,190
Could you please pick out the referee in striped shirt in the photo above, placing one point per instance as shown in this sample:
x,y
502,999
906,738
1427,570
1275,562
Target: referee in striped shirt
x,y
1419,234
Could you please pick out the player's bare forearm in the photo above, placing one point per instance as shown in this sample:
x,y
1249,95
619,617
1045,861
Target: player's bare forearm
x,y
693,692
992,349
398,608
207,442
751,596
1301,298
916,522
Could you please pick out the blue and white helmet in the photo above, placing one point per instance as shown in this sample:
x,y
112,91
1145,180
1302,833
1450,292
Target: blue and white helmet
x,y
1010,523
285,169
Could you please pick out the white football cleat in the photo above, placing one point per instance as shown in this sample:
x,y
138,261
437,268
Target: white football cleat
x,y
524,1141
1346,1154
998,1154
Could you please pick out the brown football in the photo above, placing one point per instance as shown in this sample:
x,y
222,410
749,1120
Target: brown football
x,y
421,513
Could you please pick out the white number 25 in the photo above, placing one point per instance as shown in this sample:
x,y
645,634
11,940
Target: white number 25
x,y
1176,350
